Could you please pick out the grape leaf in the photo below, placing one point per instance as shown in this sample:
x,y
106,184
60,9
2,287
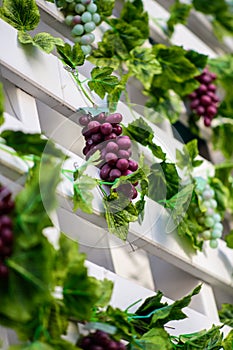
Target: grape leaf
x,y
197,58
62,344
37,345
220,135
31,144
187,158
102,81
143,65
1,105
36,201
228,341
206,339
106,288
221,194
21,14
80,292
83,197
71,56
115,94
141,132
105,7
43,41
229,239
179,13
163,181
212,7
119,213
174,310
28,285
156,339
226,314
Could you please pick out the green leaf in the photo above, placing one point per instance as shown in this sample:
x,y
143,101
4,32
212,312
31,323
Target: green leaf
x,y
220,135
143,65
102,81
80,292
174,310
106,288
228,341
141,132
187,158
156,339
31,144
1,105
205,339
197,58
47,42
221,194
37,345
226,314
71,56
212,7
68,248
36,201
21,14
28,284
83,196
115,94
163,181
24,38
229,239
179,13
119,214
105,7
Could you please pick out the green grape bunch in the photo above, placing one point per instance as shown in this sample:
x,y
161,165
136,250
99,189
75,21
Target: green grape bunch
x,y
82,17
210,218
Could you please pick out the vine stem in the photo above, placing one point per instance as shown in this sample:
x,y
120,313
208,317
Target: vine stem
x,y
75,76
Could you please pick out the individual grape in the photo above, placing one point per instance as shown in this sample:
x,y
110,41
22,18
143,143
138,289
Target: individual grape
x,y
217,217
77,20
133,165
205,100
86,17
71,7
202,89
112,147
3,271
114,174
111,136
193,95
126,190
114,118
89,27
85,150
126,172
135,193
213,203
5,221
69,1
87,39
7,236
123,154
211,111
86,49
200,110
213,243
117,129
122,164
111,158
92,8
78,29
195,103
101,117
209,212
79,8
84,120
207,121
96,347
208,194
89,142
97,138
69,20
93,126
86,2
216,234
106,128
218,226
104,172
124,142
96,18
209,222
211,87
206,234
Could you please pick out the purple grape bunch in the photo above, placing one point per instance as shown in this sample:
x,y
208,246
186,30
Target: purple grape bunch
x,y
104,133
100,341
6,229
204,101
